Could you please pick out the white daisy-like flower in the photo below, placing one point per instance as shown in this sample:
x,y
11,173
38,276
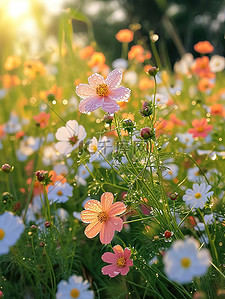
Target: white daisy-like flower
x,y
183,261
100,148
130,77
74,288
170,173
120,63
62,214
186,138
217,63
69,137
11,228
59,193
13,125
200,226
194,175
183,66
198,196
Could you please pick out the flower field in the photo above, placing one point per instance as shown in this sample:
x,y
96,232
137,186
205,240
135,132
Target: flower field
x,y
112,174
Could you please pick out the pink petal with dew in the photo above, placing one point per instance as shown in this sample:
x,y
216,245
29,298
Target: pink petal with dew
x,y
117,208
120,94
95,80
110,270
106,201
116,223
109,257
93,205
124,270
107,233
88,216
63,147
129,263
127,253
90,104
109,105
93,229
84,91
114,78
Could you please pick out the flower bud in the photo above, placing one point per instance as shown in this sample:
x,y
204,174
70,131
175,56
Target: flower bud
x,y
146,109
128,125
47,224
152,71
173,196
1,294
33,227
147,133
108,119
6,168
51,97
168,234
41,175
6,196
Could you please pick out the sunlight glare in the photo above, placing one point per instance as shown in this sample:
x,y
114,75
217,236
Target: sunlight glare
x,y
17,8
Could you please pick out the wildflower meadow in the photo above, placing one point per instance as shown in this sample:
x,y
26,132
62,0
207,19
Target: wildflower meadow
x,y
112,181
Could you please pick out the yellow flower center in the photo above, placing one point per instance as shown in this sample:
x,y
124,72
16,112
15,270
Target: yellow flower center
x,y
2,234
94,148
200,129
102,90
102,217
198,195
74,293
121,262
185,262
59,193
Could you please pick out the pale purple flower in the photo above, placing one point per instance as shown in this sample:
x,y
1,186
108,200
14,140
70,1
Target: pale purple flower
x,y
104,93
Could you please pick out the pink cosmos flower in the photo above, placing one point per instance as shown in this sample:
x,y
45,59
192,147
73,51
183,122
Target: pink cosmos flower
x,y
201,128
42,119
119,261
102,217
103,93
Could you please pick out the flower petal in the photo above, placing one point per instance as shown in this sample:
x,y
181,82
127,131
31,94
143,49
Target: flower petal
x,y
109,105
120,94
129,263
90,104
124,270
110,270
117,208
93,229
118,250
63,147
96,79
116,223
93,205
88,216
107,233
106,201
127,253
114,78
109,257
62,134
85,90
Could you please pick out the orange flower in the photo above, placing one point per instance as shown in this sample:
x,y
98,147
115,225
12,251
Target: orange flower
x,y
205,85
87,52
137,52
56,90
201,128
2,131
125,36
217,109
203,47
42,119
201,68
33,68
146,83
12,62
9,81
175,120
102,217
97,59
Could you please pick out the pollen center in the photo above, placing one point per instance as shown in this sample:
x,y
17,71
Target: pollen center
x,y
94,148
74,293
198,195
102,90
73,140
102,217
121,262
59,193
200,129
185,262
2,234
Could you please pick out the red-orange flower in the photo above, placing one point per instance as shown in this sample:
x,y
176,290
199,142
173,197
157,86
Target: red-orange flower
x,y
42,119
201,68
87,52
201,128
203,47
125,36
102,217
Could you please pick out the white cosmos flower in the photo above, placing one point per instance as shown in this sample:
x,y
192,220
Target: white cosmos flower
x,y
160,99
183,261
100,148
186,138
11,228
83,173
59,192
170,173
69,137
217,63
194,175
198,196
74,288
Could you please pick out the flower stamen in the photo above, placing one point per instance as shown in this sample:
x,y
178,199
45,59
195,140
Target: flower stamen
x,y
102,90
74,293
185,262
102,217
121,262
198,195
2,234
